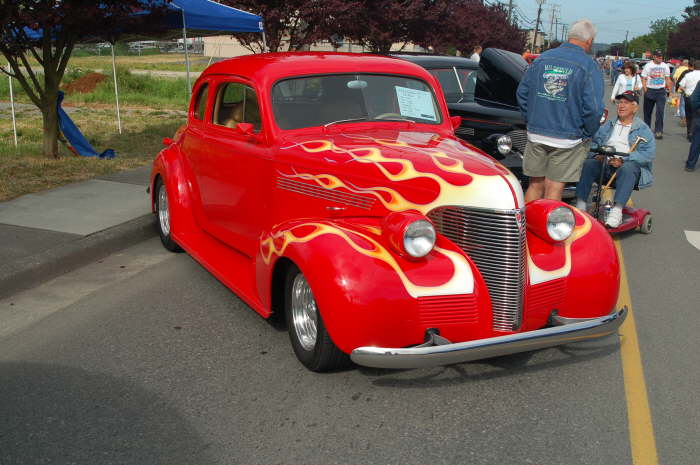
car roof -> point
(270, 67)
(437, 61)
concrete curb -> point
(31, 271)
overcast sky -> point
(612, 17)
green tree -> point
(661, 28)
(38, 37)
(692, 11)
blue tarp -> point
(75, 137)
(206, 15)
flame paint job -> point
(367, 292)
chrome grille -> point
(465, 131)
(495, 240)
(519, 138)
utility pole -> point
(552, 13)
(556, 29)
(537, 25)
(510, 11)
(627, 33)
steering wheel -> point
(389, 115)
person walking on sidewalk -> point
(676, 78)
(476, 55)
(561, 100)
(694, 151)
(628, 80)
(656, 80)
(686, 87)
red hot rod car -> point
(331, 189)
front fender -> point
(369, 295)
(579, 277)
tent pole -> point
(187, 55)
(12, 106)
(264, 41)
(116, 90)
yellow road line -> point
(641, 428)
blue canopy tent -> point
(203, 17)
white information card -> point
(415, 103)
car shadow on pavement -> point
(493, 368)
(62, 415)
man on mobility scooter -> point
(629, 135)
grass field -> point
(152, 108)
(25, 169)
(134, 89)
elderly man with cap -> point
(656, 80)
(624, 132)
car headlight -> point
(419, 238)
(560, 223)
(504, 145)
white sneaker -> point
(581, 205)
(614, 217)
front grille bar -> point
(495, 240)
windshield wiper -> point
(394, 119)
(351, 120)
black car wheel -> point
(310, 340)
(163, 212)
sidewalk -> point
(49, 233)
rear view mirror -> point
(167, 141)
(456, 121)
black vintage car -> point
(483, 94)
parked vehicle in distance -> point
(329, 189)
(483, 94)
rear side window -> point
(201, 105)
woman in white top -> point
(628, 80)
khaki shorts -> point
(562, 165)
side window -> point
(201, 105)
(236, 103)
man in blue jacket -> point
(626, 132)
(694, 152)
(561, 100)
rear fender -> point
(168, 166)
(367, 293)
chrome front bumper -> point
(450, 353)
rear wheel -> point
(310, 340)
(163, 212)
(645, 227)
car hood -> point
(499, 76)
(401, 170)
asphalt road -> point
(157, 362)
(146, 358)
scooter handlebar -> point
(609, 150)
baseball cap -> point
(658, 53)
(629, 96)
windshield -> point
(337, 99)
(457, 83)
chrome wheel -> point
(163, 213)
(304, 313)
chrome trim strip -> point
(447, 354)
(353, 200)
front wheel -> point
(163, 212)
(310, 340)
